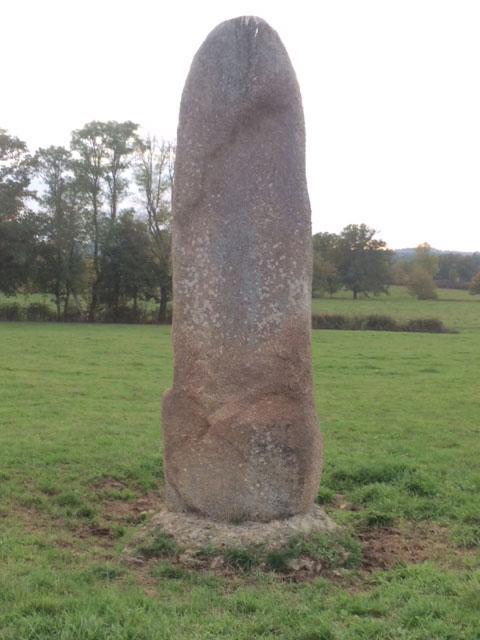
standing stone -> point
(241, 436)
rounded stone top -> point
(247, 22)
(241, 59)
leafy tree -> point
(400, 271)
(325, 276)
(61, 259)
(154, 178)
(362, 261)
(421, 285)
(458, 268)
(88, 145)
(120, 140)
(448, 267)
(102, 153)
(425, 259)
(325, 244)
(15, 175)
(468, 266)
(474, 287)
(18, 252)
(18, 226)
(129, 269)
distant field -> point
(397, 303)
(80, 468)
(463, 315)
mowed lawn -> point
(81, 468)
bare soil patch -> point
(385, 547)
(129, 510)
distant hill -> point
(409, 253)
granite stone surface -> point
(241, 436)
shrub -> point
(124, 315)
(39, 312)
(128, 315)
(12, 311)
(73, 315)
(421, 285)
(445, 283)
(379, 323)
(425, 325)
(330, 321)
(474, 287)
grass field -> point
(80, 468)
(463, 315)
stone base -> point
(194, 532)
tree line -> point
(88, 225)
(357, 261)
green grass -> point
(462, 316)
(80, 468)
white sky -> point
(391, 91)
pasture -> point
(81, 468)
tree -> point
(18, 226)
(120, 140)
(154, 177)
(102, 151)
(88, 166)
(458, 268)
(325, 277)
(325, 244)
(61, 259)
(18, 251)
(425, 259)
(474, 287)
(15, 174)
(400, 270)
(468, 266)
(129, 269)
(363, 263)
(421, 285)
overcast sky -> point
(391, 92)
